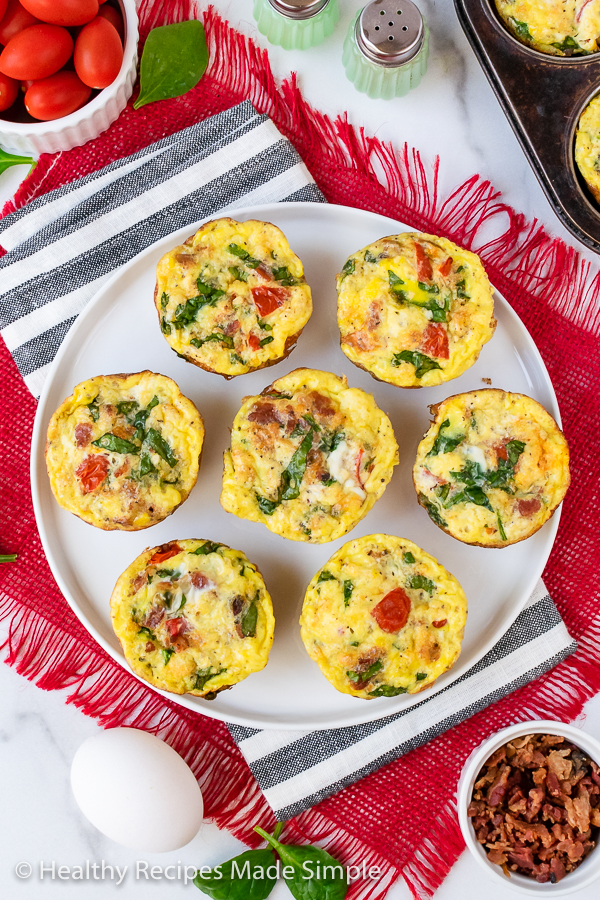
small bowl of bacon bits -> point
(529, 807)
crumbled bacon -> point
(534, 807)
(140, 580)
(264, 413)
(83, 433)
(322, 405)
(529, 507)
(154, 617)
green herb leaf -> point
(115, 444)
(174, 60)
(420, 583)
(202, 676)
(460, 290)
(266, 327)
(522, 29)
(432, 511)
(316, 874)
(358, 677)
(267, 340)
(139, 422)
(513, 451)
(9, 159)
(387, 690)
(126, 407)
(249, 621)
(146, 465)
(147, 632)
(348, 588)
(569, 47)
(442, 491)
(348, 267)
(369, 257)
(164, 326)
(242, 878)
(205, 548)
(164, 300)
(187, 313)
(408, 558)
(94, 411)
(422, 363)
(284, 276)
(243, 254)
(275, 395)
(500, 526)
(267, 506)
(238, 273)
(156, 442)
(326, 576)
(8, 557)
(330, 442)
(472, 495)
(421, 676)
(236, 359)
(445, 443)
(292, 476)
(167, 653)
(216, 336)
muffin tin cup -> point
(543, 97)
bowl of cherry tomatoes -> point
(67, 69)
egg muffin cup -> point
(414, 310)
(123, 451)
(587, 147)
(309, 457)
(193, 617)
(383, 618)
(492, 468)
(233, 297)
(554, 27)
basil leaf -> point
(348, 588)
(164, 300)
(420, 583)
(156, 442)
(167, 653)
(125, 407)
(147, 632)
(442, 491)
(292, 476)
(408, 558)
(242, 878)
(348, 267)
(472, 494)
(146, 465)
(94, 411)
(316, 874)
(429, 288)
(387, 690)
(569, 47)
(445, 443)
(364, 676)
(249, 621)
(522, 29)
(187, 313)
(267, 506)
(164, 326)
(203, 675)
(236, 359)
(330, 442)
(8, 557)
(460, 290)
(369, 257)
(174, 60)
(513, 451)
(205, 548)
(9, 159)
(422, 363)
(432, 511)
(139, 422)
(421, 676)
(238, 273)
(326, 576)
(284, 276)
(222, 338)
(267, 340)
(115, 444)
(500, 526)
(243, 254)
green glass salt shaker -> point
(386, 49)
(296, 24)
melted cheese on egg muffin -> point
(193, 617)
(383, 618)
(587, 146)
(123, 451)
(233, 298)
(492, 468)
(558, 27)
(309, 457)
(414, 310)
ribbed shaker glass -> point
(386, 49)
(296, 24)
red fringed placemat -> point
(401, 818)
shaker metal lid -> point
(298, 9)
(390, 32)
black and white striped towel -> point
(62, 248)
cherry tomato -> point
(440, 623)
(268, 299)
(98, 53)
(435, 341)
(163, 553)
(63, 12)
(114, 17)
(36, 52)
(3, 5)
(391, 613)
(445, 267)
(92, 472)
(254, 342)
(56, 96)
(424, 270)
(9, 89)
(14, 20)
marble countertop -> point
(454, 113)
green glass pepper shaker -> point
(386, 49)
(296, 24)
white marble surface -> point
(453, 113)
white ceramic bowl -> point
(583, 875)
(86, 123)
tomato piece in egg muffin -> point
(492, 468)
(193, 617)
(233, 298)
(123, 451)
(383, 618)
(414, 310)
(309, 457)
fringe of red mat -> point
(402, 818)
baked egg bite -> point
(383, 618)
(123, 451)
(492, 468)
(558, 27)
(193, 617)
(414, 310)
(587, 146)
(233, 298)
(309, 457)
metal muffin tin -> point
(543, 98)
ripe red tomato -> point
(98, 53)
(63, 12)
(36, 52)
(435, 340)
(14, 20)
(3, 5)
(268, 299)
(9, 89)
(56, 96)
(391, 613)
(114, 17)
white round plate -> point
(118, 332)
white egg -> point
(137, 790)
